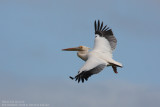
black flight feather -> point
(105, 32)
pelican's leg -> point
(114, 69)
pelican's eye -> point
(81, 47)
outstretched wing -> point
(104, 38)
(92, 66)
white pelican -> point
(101, 55)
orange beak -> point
(72, 49)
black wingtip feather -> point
(81, 77)
(104, 28)
(82, 80)
(71, 77)
(99, 27)
(95, 25)
(109, 32)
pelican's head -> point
(80, 48)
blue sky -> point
(34, 69)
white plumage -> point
(100, 56)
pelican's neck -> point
(83, 55)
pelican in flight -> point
(101, 55)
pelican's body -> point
(100, 56)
